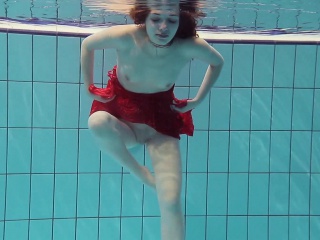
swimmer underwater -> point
(138, 105)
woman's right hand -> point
(101, 99)
(101, 94)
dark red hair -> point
(189, 13)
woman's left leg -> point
(165, 154)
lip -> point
(162, 36)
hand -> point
(101, 99)
(101, 94)
(183, 106)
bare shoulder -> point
(198, 48)
(118, 37)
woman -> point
(138, 105)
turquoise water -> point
(251, 171)
(225, 15)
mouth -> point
(162, 36)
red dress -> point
(153, 109)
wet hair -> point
(189, 13)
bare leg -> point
(114, 138)
(165, 155)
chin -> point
(163, 41)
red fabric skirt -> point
(153, 109)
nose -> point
(163, 26)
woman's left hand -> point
(183, 106)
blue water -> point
(227, 15)
(251, 171)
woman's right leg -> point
(114, 138)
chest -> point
(142, 72)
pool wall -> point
(251, 171)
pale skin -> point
(145, 68)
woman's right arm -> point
(114, 37)
(87, 61)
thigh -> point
(166, 160)
(142, 132)
(104, 125)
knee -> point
(100, 124)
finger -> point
(174, 108)
(110, 99)
(105, 100)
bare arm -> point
(203, 51)
(113, 37)
(198, 48)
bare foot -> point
(147, 178)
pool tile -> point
(44, 47)
(20, 57)
(65, 196)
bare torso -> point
(144, 68)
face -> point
(162, 22)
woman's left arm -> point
(198, 48)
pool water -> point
(250, 172)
